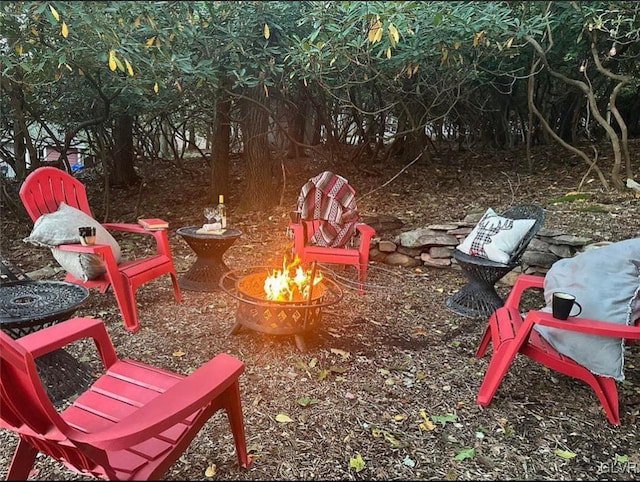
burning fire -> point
(291, 282)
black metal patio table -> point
(28, 305)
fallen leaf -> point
(211, 471)
(306, 401)
(357, 463)
(565, 454)
(179, 353)
(622, 459)
(426, 423)
(389, 437)
(468, 453)
(443, 419)
(342, 353)
(282, 418)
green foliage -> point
(592, 208)
(421, 63)
(571, 197)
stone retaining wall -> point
(433, 246)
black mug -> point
(562, 304)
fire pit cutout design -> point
(276, 317)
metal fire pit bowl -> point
(274, 317)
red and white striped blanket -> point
(330, 198)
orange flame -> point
(291, 282)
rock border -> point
(433, 246)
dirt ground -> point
(386, 388)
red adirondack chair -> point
(132, 423)
(323, 200)
(42, 192)
(510, 334)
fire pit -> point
(294, 316)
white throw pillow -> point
(61, 227)
(606, 283)
(495, 237)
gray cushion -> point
(606, 282)
(61, 227)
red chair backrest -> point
(26, 409)
(45, 188)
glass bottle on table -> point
(222, 211)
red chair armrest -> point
(522, 283)
(365, 230)
(585, 325)
(160, 235)
(101, 249)
(184, 398)
(298, 236)
(127, 227)
(57, 336)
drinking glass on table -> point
(211, 213)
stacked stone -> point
(433, 246)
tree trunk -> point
(260, 190)
(297, 125)
(123, 173)
(415, 141)
(220, 148)
(21, 139)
